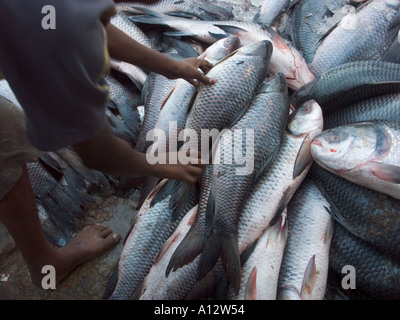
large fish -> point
(266, 118)
(285, 58)
(153, 226)
(215, 107)
(383, 107)
(362, 267)
(260, 272)
(366, 153)
(350, 83)
(362, 35)
(304, 269)
(204, 10)
(307, 19)
(275, 188)
(176, 106)
(271, 9)
(369, 215)
(159, 286)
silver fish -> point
(274, 189)
(266, 118)
(362, 35)
(271, 9)
(260, 272)
(159, 286)
(365, 153)
(304, 269)
(153, 226)
(285, 58)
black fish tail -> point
(190, 247)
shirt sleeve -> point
(57, 74)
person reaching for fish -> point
(62, 91)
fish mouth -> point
(316, 142)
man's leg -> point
(18, 209)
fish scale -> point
(363, 35)
(310, 233)
(237, 79)
(153, 226)
(367, 214)
(266, 117)
(275, 187)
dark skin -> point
(104, 152)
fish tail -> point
(190, 247)
(111, 284)
(226, 247)
(179, 192)
(203, 288)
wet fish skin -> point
(350, 83)
(367, 214)
(159, 286)
(304, 270)
(306, 19)
(382, 107)
(362, 35)
(376, 274)
(204, 10)
(153, 226)
(365, 153)
(267, 117)
(123, 23)
(271, 9)
(285, 58)
(275, 188)
(259, 278)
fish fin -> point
(210, 210)
(190, 247)
(179, 192)
(215, 12)
(287, 195)
(203, 288)
(135, 81)
(137, 293)
(167, 97)
(233, 30)
(246, 253)
(309, 279)
(251, 286)
(386, 172)
(111, 283)
(210, 255)
(184, 49)
(304, 157)
(179, 34)
(218, 36)
(183, 14)
(329, 230)
(231, 260)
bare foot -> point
(91, 242)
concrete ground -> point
(88, 281)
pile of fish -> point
(313, 88)
(318, 85)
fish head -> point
(262, 48)
(344, 147)
(221, 49)
(276, 83)
(306, 119)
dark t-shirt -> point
(57, 74)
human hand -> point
(188, 168)
(189, 69)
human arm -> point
(107, 153)
(122, 47)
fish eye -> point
(333, 137)
(307, 109)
